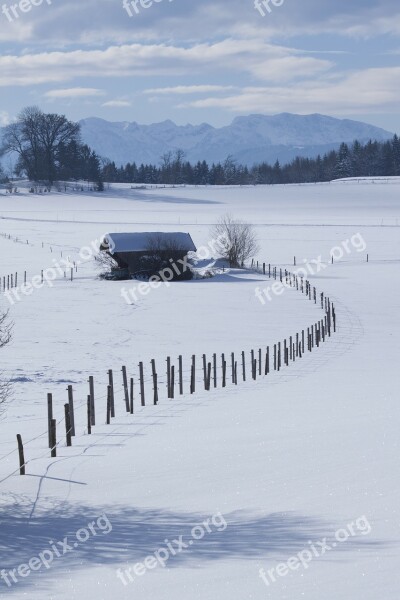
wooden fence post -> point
(155, 381)
(209, 377)
(142, 397)
(68, 426)
(49, 415)
(193, 375)
(169, 376)
(194, 372)
(215, 369)
(180, 375)
(126, 391)
(131, 396)
(205, 371)
(21, 455)
(92, 404)
(111, 384)
(267, 361)
(108, 421)
(71, 408)
(53, 430)
(89, 416)
(173, 381)
(155, 390)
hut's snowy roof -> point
(139, 242)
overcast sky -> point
(202, 61)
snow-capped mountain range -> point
(249, 139)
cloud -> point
(74, 93)
(362, 91)
(224, 56)
(255, 57)
(116, 103)
(189, 89)
(99, 23)
(5, 118)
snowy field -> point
(276, 465)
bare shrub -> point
(105, 262)
(240, 243)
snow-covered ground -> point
(287, 460)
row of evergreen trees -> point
(76, 161)
(372, 159)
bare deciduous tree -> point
(5, 338)
(240, 240)
(37, 137)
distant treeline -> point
(372, 159)
(49, 149)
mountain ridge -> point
(249, 139)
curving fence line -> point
(205, 372)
